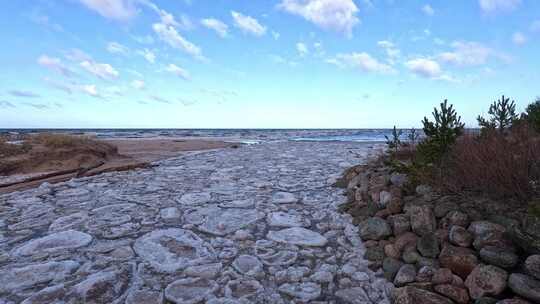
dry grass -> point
(502, 166)
(56, 140)
(8, 149)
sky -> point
(262, 63)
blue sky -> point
(261, 64)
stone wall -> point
(443, 248)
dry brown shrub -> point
(500, 165)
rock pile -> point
(443, 249)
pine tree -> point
(502, 115)
(441, 133)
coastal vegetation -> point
(454, 216)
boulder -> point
(428, 245)
(486, 280)
(405, 240)
(423, 189)
(374, 229)
(497, 256)
(459, 260)
(398, 179)
(442, 276)
(425, 274)
(399, 223)
(458, 294)
(410, 255)
(422, 220)
(413, 295)
(391, 251)
(406, 274)
(456, 218)
(460, 236)
(384, 198)
(441, 209)
(391, 267)
(525, 286)
(478, 228)
(532, 265)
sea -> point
(248, 136)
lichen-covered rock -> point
(497, 256)
(374, 228)
(399, 223)
(525, 286)
(390, 267)
(458, 294)
(460, 236)
(459, 260)
(422, 220)
(532, 265)
(406, 274)
(428, 245)
(486, 280)
(413, 295)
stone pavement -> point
(256, 224)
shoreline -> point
(132, 154)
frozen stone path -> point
(256, 224)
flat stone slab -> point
(55, 242)
(298, 236)
(17, 278)
(170, 250)
(283, 198)
(194, 199)
(284, 219)
(229, 220)
(190, 291)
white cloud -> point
(77, 55)
(392, 52)
(169, 35)
(117, 48)
(495, 6)
(54, 64)
(302, 49)
(428, 10)
(535, 26)
(424, 67)
(138, 84)
(90, 89)
(276, 35)
(336, 15)
(102, 70)
(248, 24)
(467, 54)
(363, 61)
(148, 55)
(121, 10)
(178, 71)
(216, 25)
(519, 38)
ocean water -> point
(240, 135)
